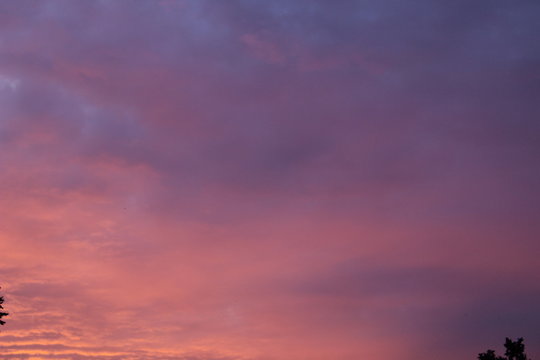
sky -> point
(269, 179)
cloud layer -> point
(270, 180)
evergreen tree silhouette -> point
(515, 350)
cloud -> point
(267, 180)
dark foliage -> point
(515, 350)
(2, 314)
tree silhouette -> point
(2, 314)
(515, 350)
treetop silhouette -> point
(2, 314)
(515, 350)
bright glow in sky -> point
(269, 179)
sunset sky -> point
(269, 179)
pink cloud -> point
(264, 50)
(287, 180)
